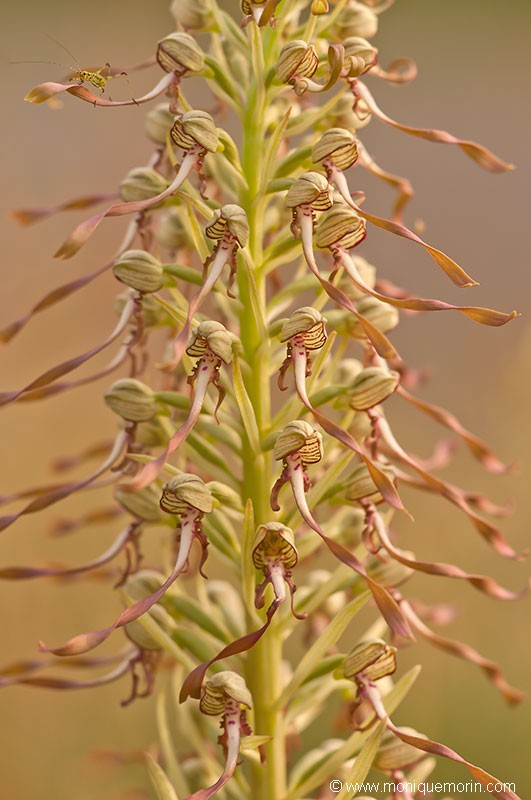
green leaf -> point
(159, 780)
(362, 764)
(246, 563)
(220, 77)
(256, 304)
(196, 233)
(401, 688)
(295, 159)
(273, 143)
(180, 607)
(184, 273)
(168, 746)
(246, 407)
(321, 646)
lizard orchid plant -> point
(236, 273)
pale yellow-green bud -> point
(231, 218)
(185, 491)
(195, 128)
(360, 54)
(219, 690)
(141, 183)
(347, 370)
(193, 15)
(143, 504)
(132, 400)
(179, 52)
(381, 315)
(152, 433)
(355, 20)
(370, 660)
(372, 386)
(274, 541)
(299, 437)
(362, 487)
(226, 495)
(395, 754)
(171, 231)
(345, 115)
(337, 144)
(297, 59)
(308, 324)
(139, 270)
(320, 7)
(213, 336)
(311, 188)
(158, 122)
(340, 227)
(138, 587)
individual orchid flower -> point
(330, 151)
(261, 11)
(225, 694)
(308, 194)
(195, 133)
(335, 232)
(274, 552)
(298, 62)
(187, 496)
(229, 228)
(372, 660)
(304, 332)
(212, 345)
(297, 446)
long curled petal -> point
(402, 185)
(71, 364)
(65, 490)
(44, 91)
(475, 151)
(45, 682)
(84, 231)
(485, 316)
(456, 273)
(27, 216)
(232, 728)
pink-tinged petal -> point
(456, 496)
(436, 749)
(477, 152)
(73, 363)
(84, 231)
(194, 680)
(43, 682)
(387, 605)
(382, 481)
(232, 726)
(53, 297)
(48, 498)
(481, 582)
(85, 642)
(461, 650)
(27, 216)
(400, 71)
(378, 339)
(45, 91)
(402, 185)
(21, 573)
(477, 447)
(485, 316)
(456, 273)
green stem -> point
(268, 782)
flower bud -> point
(395, 754)
(299, 437)
(137, 587)
(171, 232)
(320, 7)
(143, 504)
(371, 387)
(151, 433)
(141, 183)
(231, 218)
(336, 144)
(381, 315)
(339, 227)
(370, 660)
(179, 52)
(355, 20)
(224, 686)
(183, 491)
(132, 400)
(311, 188)
(213, 336)
(274, 541)
(158, 122)
(361, 54)
(153, 314)
(346, 114)
(139, 270)
(193, 15)
(347, 370)
(296, 60)
(362, 487)
(195, 128)
(308, 324)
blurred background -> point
(473, 61)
